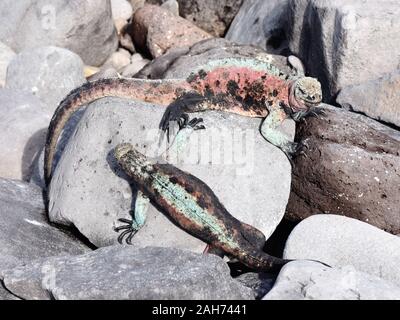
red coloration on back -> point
(257, 84)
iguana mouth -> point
(311, 104)
(300, 104)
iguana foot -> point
(183, 121)
(316, 112)
(130, 228)
(295, 149)
(185, 103)
(196, 124)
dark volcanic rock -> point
(351, 167)
(126, 272)
(210, 15)
(261, 283)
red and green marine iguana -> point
(244, 86)
(191, 204)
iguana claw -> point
(129, 229)
(316, 112)
(195, 124)
(295, 149)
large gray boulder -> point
(340, 241)
(252, 180)
(127, 273)
(344, 43)
(378, 98)
(23, 123)
(86, 28)
(306, 280)
(50, 73)
(261, 23)
(25, 234)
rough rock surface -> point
(157, 30)
(351, 167)
(376, 98)
(86, 191)
(306, 280)
(23, 122)
(86, 29)
(6, 55)
(340, 241)
(6, 295)
(261, 23)
(261, 283)
(125, 272)
(50, 73)
(209, 15)
(337, 38)
(25, 233)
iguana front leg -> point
(270, 131)
(139, 214)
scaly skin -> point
(191, 204)
(240, 85)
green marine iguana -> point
(192, 205)
(244, 86)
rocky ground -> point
(339, 203)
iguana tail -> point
(154, 91)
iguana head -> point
(305, 93)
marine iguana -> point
(245, 86)
(192, 205)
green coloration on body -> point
(191, 204)
(250, 63)
(179, 198)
